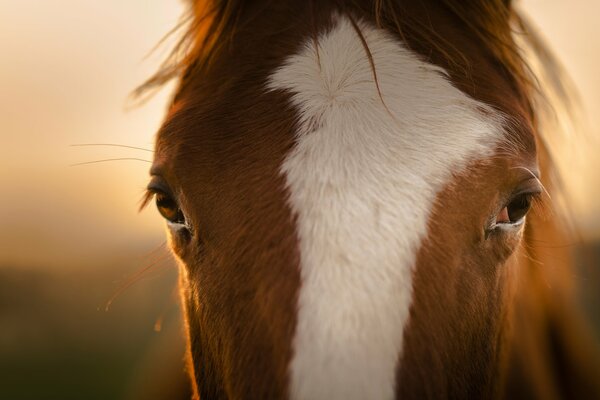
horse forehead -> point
(373, 147)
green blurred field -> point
(58, 342)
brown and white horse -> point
(347, 187)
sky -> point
(66, 71)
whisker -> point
(152, 256)
(132, 279)
(174, 297)
(160, 247)
(110, 144)
(110, 159)
(526, 248)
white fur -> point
(362, 185)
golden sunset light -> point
(74, 165)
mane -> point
(208, 25)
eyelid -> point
(531, 187)
(157, 185)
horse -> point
(359, 197)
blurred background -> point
(71, 238)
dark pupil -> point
(169, 209)
(518, 207)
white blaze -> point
(362, 185)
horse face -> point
(345, 214)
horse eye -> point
(515, 210)
(168, 208)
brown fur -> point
(487, 320)
(461, 295)
(240, 277)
